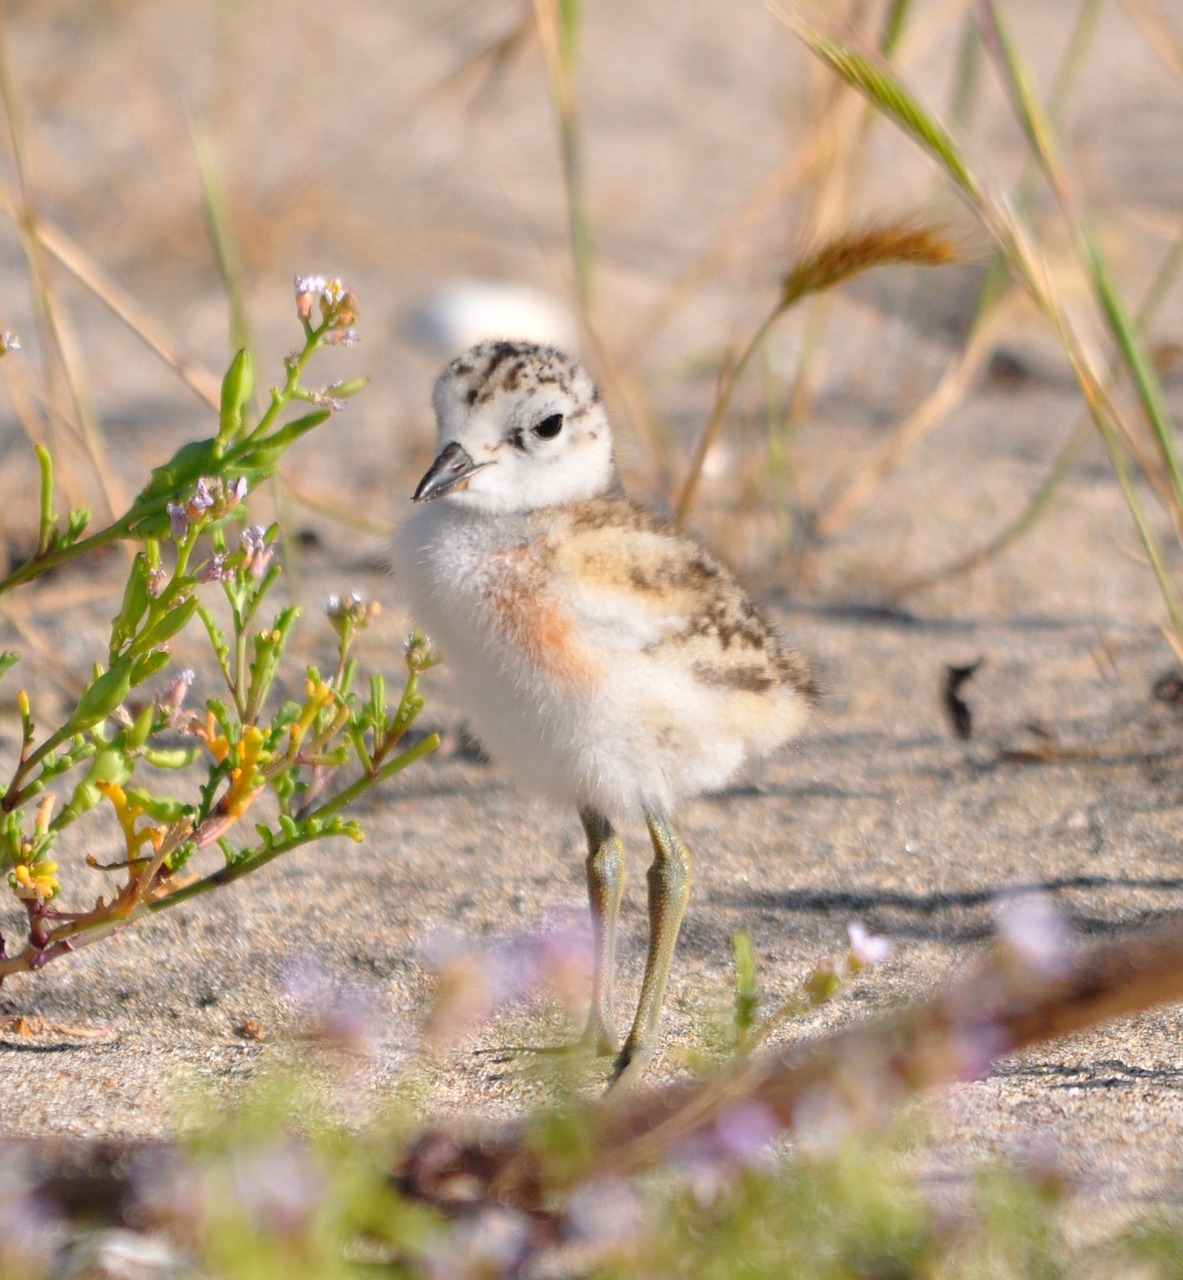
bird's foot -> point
(630, 1065)
(599, 1038)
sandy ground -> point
(363, 146)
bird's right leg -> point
(605, 889)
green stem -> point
(282, 398)
(228, 874)
(16, 795)
(363, 784)
(122, 528)
(39, 564)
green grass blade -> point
(880, 84)
(967, 77)
(893, 26)
(221, 233)
(1125, 332)
(1035, 122)
(1149, 540)
(1129, 339)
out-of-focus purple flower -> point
(9, 341)
(239, 489)
(157, 576)
(474, 984)
(867, 948)
(338, 1015)
(172, 697)
(713, 1157)
(113, 1254)
(822, 1119)
(604, 1212)
(257, 553)
(492, 1242)
(975, 1043)
(30, 1235)
(744, 1132)
(279, 1185)
(1037, 932)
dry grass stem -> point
(1160, 35)
(203, 382)
(833, 262)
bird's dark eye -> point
(550, 427)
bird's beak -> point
(451, 470)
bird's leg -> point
(669, 890)
(605, 888)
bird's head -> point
(521, 426)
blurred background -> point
(168, 166)
(187, 159)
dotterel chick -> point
(605, 660)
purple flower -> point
(172, 698)
(29, 1234)
(279, 1185)
(491, 1242)
(822, 1119)
(214, 569)
(866, 948)
(256, 553)
(1036, 930)
(605, 1211)
(203, 497)
(338, 1015)
(178, 518)
(476, 983)
(744, 1131)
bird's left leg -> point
(669, 891)
(605, 888)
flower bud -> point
(137, 735)
(103, 696)
(147, 666)
(175, 620)
(343, 390)
(237, 388)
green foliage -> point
(188, 520)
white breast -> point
(454, 565)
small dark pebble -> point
(956, 708)
(1168, 688)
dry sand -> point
(341, 151)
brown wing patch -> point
(613, 513)
(751, 677)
